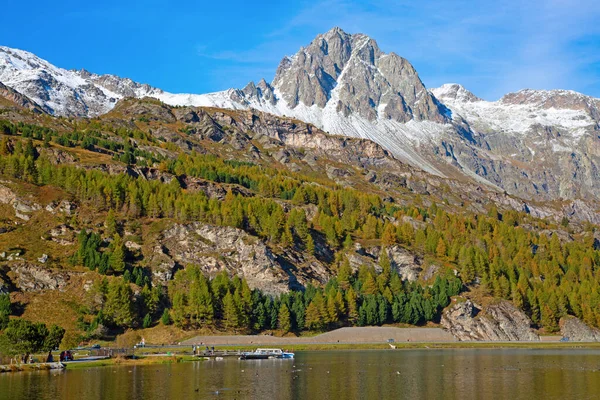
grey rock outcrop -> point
(32, 278)
(407, 264)
(23, 208)
(217, 248)
(62, 234)
(500, 321)
(64, 206)
(575, 330)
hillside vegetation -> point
(153, 215)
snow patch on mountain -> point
(506, 115)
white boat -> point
(263, 354)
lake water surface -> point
(412, 374)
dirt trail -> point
(342, 335)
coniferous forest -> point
(500, 253)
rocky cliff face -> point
(406, 263)
(20, 100)
(218, 248)
(498, 322)
(577, 331)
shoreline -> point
(173, 356)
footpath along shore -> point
(359, 335)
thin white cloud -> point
(492, 46)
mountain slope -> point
(533, 142)
(148, 199)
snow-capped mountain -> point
(536, 144)
(518, 112)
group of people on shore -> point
(197, 349)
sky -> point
(490, 47)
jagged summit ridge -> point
(532, 143)
(351, 74)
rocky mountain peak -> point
(349, 74)
(533, 143)
(454, 92)
(262, 91)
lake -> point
(413, 374)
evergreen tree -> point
(5, 309)
(284, 322)
(345, 274)
(117, 255)
(119, 305)
(166, 317)
(351, 300)
(230, 313)
(111, 223)
(147, 321)
(369, 285)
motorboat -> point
(264, 354)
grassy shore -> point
(184, 351)
(169, 355)
(131, 361)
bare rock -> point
(57, 156)
(131, 245)
(31, 278)
(501, 321)
(406, 263)
(61, 234)
(575, 330)
(162, 265)
(64, 206)
(217, 248)
(22, 207)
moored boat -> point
(263, 354)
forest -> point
(505, 254)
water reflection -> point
(414, 374)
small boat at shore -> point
(264, 354)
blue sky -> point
(491, 47)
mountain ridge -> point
(344, 84)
